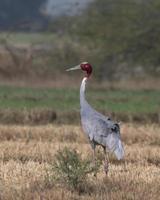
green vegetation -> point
(21, 38)
(119, 32)
(71, 170)
(68, 99)
(120, 38)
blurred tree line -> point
(20, 14)
(118, 37)
(119, 34)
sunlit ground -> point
(27, 154)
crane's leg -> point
(93, 148)
(93, 157)
(106, 161)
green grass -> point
(28, 38)
(68, 99)
(127, 101)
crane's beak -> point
(74, 68)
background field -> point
(61, 105)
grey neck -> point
(82, 92)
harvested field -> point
(27, 154)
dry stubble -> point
(27, 153)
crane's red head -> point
(85, 66)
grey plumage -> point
(100, 130)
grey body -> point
(100, 130)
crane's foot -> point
(106, 166)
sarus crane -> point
(100, 129)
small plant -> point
(70, 168)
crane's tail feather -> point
(114, 144)
(119, 151)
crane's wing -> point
(107, 133)
(104, 127)
(102, 130)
